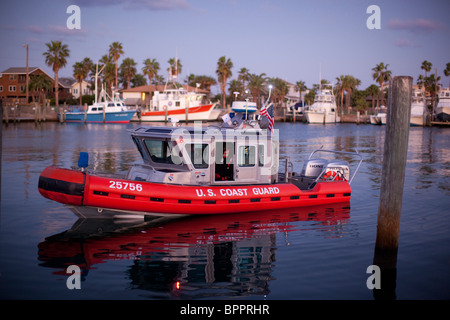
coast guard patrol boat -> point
(229, 168)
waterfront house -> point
(13, 85)
(85, 89)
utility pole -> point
(26, 76)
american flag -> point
(268, 113)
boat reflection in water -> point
(194, 256)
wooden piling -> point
(85, 112)
(392, 180)
(1, 147)
(186, 112)
(36, 112)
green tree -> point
(128, 70)
(235, 86)
(244, 77)
(150, 69)
(431, 84)
(309, 97)
(300, 87)
(81, 71)
(279, 90)
(138, 80)
(373, 92)
(223, 72)
(205, 81)
(381, 74)
(340, 91)
(175, 67)
(115, 51)
(39, 85)
(447, 71)
(426, 66)
(56, 57)
(108, 73)
(256, 84)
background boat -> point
(419, 111)
(323, 110)
(443, 106)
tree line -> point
(246, 83)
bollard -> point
(392, 180)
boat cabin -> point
(205, 155)
(175, 99)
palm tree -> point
(55, 57)
(175, 67)
(128, 70)
(108, 71)
(150, 69)
(426, 66)
(39, 84)
(81, 71)
(79, 74)
(256, 84)
(205, 81)
(223, 72)
(431, 84)
(279, 91)
(235, 86)
(373, 92)
(115, 51)
(244, 76)
(340, 90)
(447, 71)
(381, 74)
(300, 87)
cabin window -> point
(94, 109)
(139, 147)
(261, 155)
(224, 167)
(246, 156)
(161, 151)
(177, 103)
(198, 154)
(110, 104)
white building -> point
(85, 89)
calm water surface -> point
(309, 253)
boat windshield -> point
(198, 154)
(160, 151)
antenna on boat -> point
(268, 98)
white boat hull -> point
(320, 117)
(201, 113)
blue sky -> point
(292, 40)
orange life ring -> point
(331, 176)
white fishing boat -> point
(419, 111)
(380, 117)
(443, 106)
(323, 110)
(176, 102)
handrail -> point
(356, 153)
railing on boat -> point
(356, 153)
